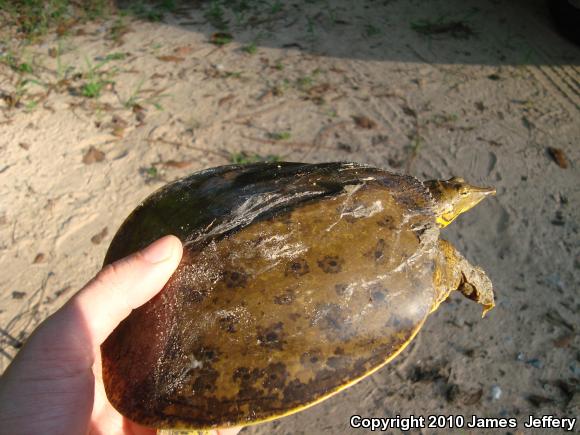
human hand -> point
(54, 384)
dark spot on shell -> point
(400, 323)
(311, 358)
(206, 354)
(286, 298)
(386, 222)
(337, 362)
(245, 376)
(228, 323)
(296, 391)
(272, 337)
(249, 393)
(331, 264)
(298, 267)
(378, 296)
(379, 251)
(275, 376)
(325, 376)
(331, 319)
(205, 380)
(235, 278)
(360, 364)
(194, 296)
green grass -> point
(34, 18)
(250, 48)
(92, 89)
(115, 56)
(371, 30)
(215, 14)
(241, 158)
(304, 83)
(137, 98)
(96, 80)
(280, 135)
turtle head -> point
(454, 197)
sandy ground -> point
(485, 105)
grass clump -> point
(35, 17)
(280, 135)
(242, 158)
(457, 29)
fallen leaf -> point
(176, 164)
(171, 58)
(39, 258)
(221, 38)
(564, 341)
(364, 122)
(183, 51)
(93, 155)
(225, 99)
(559, 157)
(98, 238)
(320, 89)
(63, 28)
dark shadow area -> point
(491, 32)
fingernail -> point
(159, 250)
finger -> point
(125, 285)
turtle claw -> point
(476, 285)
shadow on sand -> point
(479, 32)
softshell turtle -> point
(297, 281)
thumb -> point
(123, 286)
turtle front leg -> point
(454, 272)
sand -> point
(486, 100)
